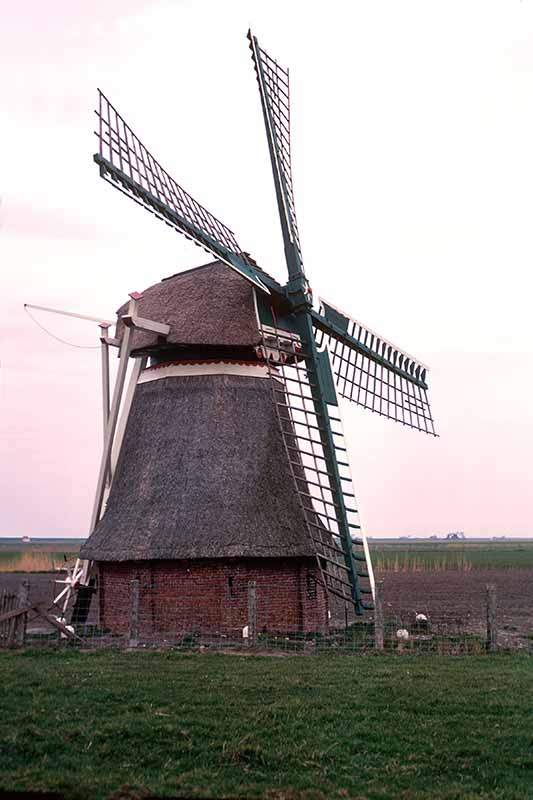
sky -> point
(412, 131)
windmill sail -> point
(126, 163)
(372, 372)
(273, 83)
(312, 430)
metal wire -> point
(58, 338)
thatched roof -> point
(210, 305)
(202, 473)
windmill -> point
(230, 319)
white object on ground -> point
(63, 621)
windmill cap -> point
(209, 306)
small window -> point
(231, 586)
(311, 585)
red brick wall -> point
(211, 596)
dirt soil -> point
(456, 598)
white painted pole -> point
(104, 350)
(99, 320)
(125, 349)
(138, 365)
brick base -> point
(211, 596)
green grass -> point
(226, 726)
(426, 555)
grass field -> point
(430, 555)
(421, 555)
(36, 556)
(371, 727)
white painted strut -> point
(124, 354)
(114, 435)
(99, 320)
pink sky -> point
(413, 167)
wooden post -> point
(252, 613)
(8, 602)
(134, 613)
(21, 622)
(17, 630)
(492, 626)
(379, 643)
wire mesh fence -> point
(282, 613)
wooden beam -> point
(492, 625)
(15, 612)
(37, 607)
(103, 322)
(132, 321)
(59, 625)
(19, 625)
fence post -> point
(134, 613)
(492, 627)
(17, 631)
(23, 598)
(378, 617)
(7, 601)
(252, 613)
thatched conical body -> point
(202, 474)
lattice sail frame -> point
(301, 425)
(274, 91)
(127, 165)
(374, 373)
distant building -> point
(456, 535)
(26, 539)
